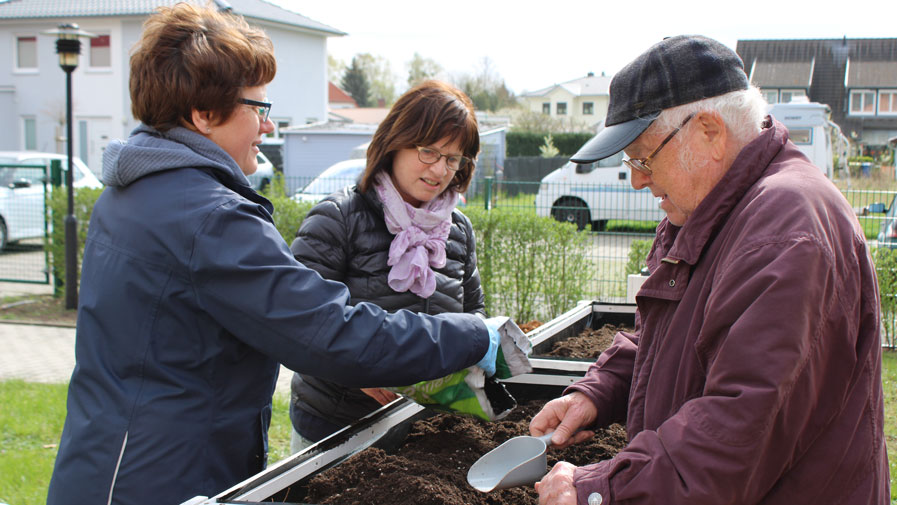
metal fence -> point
(621, 221)
(628, 229)
(23, 224)
(619, 242)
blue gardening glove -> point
(487, 363)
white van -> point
(595, 193)
(810, 128)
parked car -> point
(22, 190)
(335, 177)
(265, 173)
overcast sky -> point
(534, 44)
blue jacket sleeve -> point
(247, 279)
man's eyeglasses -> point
(454, 162)
(641, 164)
(264, 108)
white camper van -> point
(810, 128)
(595, 193)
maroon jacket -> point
(754, 374)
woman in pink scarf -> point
(396, 239)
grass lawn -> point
(31, 418)
(889, 383)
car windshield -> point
(32, 175)
(334, 178)
(37, 174)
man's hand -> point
(565, 416)
(557, 488)
(383, 396)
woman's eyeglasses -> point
(641, 164)
(264, 108)
(454, 162)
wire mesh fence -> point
(23, 223)
(616, 224)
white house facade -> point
(580, 102)
(32, 85)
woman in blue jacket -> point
(190, 298)
(396, 239)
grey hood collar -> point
(149, 151)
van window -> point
(613, 161)
(801, 136)
(584, 168)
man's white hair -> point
(742, 111)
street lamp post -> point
(68, 46)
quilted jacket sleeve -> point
(320, 240)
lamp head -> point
(68, 44)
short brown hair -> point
(195, 58)
(425, 114)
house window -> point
(862, 101)
(771, 95)
(789, 94)
(588, 108)
(887, 101)
(29, 130)
(100, 53)
(546, 108)
(26, 53)
(562, 108)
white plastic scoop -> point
(518, 462)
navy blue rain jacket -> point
(189, 299)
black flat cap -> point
(675, 71)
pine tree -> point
(356, 84)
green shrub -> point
(288, 213)
(885, 260)
(638, 253)
(57, 207)
(530, 267)
(528, 143)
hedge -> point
(528, 143)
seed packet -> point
(469, 391)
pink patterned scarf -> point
(420, 236)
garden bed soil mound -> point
(588, 344)
(430, 468)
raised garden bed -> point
(430, 466)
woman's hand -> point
(557, 488)
(383, 396)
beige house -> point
(581, 102)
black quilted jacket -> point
(344, 238)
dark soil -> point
(430, 468)
(588, 344)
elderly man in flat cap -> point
(754, 373)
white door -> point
(99, 132)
